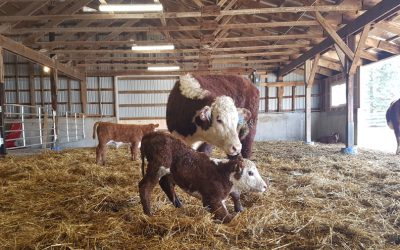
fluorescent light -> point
(163, 68)
(46, 69)
(154, 47)
(88, 9)
(131, 7)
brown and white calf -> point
(208, 109)
(333, 138)
(393, 121)
(119, 133)
(171, 161)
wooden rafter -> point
(63, 17)
(359, 49)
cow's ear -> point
(205, 113)
(244, 114)
(203, 118)
(156, 125)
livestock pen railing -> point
(71, 127)
(35, 126)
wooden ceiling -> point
(209, 35)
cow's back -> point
(181, 109)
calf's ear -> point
(238, 169)
(244, 114)
(156, 125)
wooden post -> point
(307, 72)
(3, 150)
(53, 89)
(32, 95)
(294, 98)
(350, 79)
(280, 99)
(83, 95)
(266, 99)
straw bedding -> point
(318, 198)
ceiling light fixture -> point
(46, 69)
(163, 68)
(131, 7)
(154, 47)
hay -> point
(318, 198)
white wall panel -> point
(23, 83)
(9, 84)
(23, 69)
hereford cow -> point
(108, 132)
(210, 109)
(393, 121)
(333, 138)
(171, 161)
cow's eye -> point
(250, 173)
(219, 120)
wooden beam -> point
(389, 27)
(32, 55)
(310, 80)
(350, 128)
(332, 33)
(32, 94)
(282, 84)
(377, 13)
(360, 48)
(383, 45)
(63, 17)
(54, 88)
(308, 101)
(159, 28)
(239, 71)
(83, 93)
(3, 149)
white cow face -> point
(218, 124)
(247, 178)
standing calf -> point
(124, 133)
(171, 161)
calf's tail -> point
(142, 156)
(94, 129)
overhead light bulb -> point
(46, 69)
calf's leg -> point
(236, 202)
(134, 150)
(218, 208)
(101, 154)
(146, 186)
(168, 186)
(397, 134)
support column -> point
(83, 95)
(350, 82)
(54, 90)
(307, 125)
(3, 150)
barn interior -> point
(66, 64)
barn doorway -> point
(380, 85)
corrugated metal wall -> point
(143, 98)
(100, 96)
(17, 85)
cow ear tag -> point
(205, 113)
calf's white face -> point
(218, 124)
(249, 180)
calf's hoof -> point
(228, 218)
(177, 203)
(239, 209)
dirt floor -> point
(318, 199)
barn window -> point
(338, 95)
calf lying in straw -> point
(171, 161)
(119, 133)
